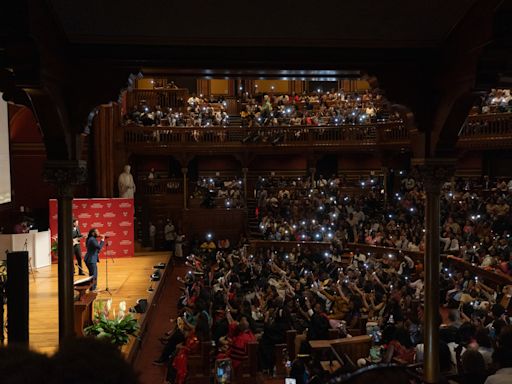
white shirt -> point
(420, 349)
(418, 286)
(170, 233)
(450, 244)
(487, 355)
(502, 376)
(360, 215)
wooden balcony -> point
(490, 131)
(232, 139)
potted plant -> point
(54, 248)
(117, 329)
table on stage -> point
(38, 245)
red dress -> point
(180, 361)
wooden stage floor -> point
(128, 279)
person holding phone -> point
(91, 258)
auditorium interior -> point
(292, 193)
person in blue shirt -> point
(92, 255)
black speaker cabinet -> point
(17, 297)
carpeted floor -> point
(151, 349)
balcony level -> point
(481, 132)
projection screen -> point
(5, 166)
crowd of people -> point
(496, 101)
(200, 112)
(237, 295)
(475, 216)
(211, 191)
(317, 109)
(309, 109)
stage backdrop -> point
(113, 217)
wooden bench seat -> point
(247, 372)
(200, 365)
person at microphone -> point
(92, 255)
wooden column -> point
(385, 175)
(312, 172)
(203, 87)
(65, 174)
(105, 134)
(244, 174)
(184, 171)
(434, 172)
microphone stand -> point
(30, 269)
(107, 289)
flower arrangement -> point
(116, 328)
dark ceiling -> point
(333, 23)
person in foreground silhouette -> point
(78, 361)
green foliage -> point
(116, 330)
(3, 271)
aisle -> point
(151, 349)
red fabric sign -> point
(112, 217)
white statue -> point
(126, 184)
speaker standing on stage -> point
(77, 250)
(92, 255)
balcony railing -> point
(160, 186)
(493, 124)
(370, 134)
(493, 130)
(490, 130)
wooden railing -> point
(484, 130)
(383, 252)
(489, 276)
(166, 98)
(280, 135)
(494, 278)
(160, 186)
(393, 132)
(132, 349)
(492, 124)
(314, 246)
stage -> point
(128, 279)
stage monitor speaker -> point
(141, 306)
(17, 297)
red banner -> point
(112, 217)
